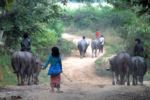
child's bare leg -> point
(52, 87)
(58, 89)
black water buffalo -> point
(139, 69)
(95, 45)
(24, 65)
(121, 67)
(82, 47)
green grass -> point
(147, 76)
(43, 77)
(7, 77)
(102, 63)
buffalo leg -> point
(22, 79)
(101, 48)
(29, 77)
(117, 78)
(84, 53)
(141, 79)
(128, 79)
(113, 78)
(122, 78)
(136, 80)
(18, 78)
(133, 80)
(96, 53)
(35, 79)
(92, 53)
(80, 54)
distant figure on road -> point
(138, 48)
(26, 43)
(97, 34)
(101, 43)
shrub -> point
(65, 46)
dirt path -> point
(81, 70)
(79, 82)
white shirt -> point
(102, 40)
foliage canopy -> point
(32, 16)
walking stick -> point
(67, 77)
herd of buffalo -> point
(83, 45)
(123, 66)
(27, 66)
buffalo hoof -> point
(134, 84)
(118, 82)
(36, 83)
(29, 83)
(19, 84)
(81, 57)
(113, 83)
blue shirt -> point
(52, 60)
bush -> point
(65, 46)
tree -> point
(19, 16)
(144, 5)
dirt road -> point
(79, 82)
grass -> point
(102, 63)
(7, 77)
(147, 76)
(43, 77)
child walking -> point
(55, 61)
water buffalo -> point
(24, 65)
(95, 45)
(121, 67)
(37, 70)
(139, 69)
(82, 47)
